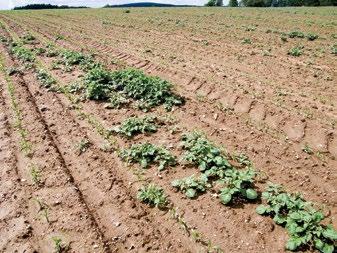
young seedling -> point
(35, 174)
(153, 195)
(307, 149)
(43, 209)
(146, 154)
(59, 246)
(83, 146)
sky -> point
(9, 4)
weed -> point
(243, 160)
(284, 38)
(307, 149)
(334, 49)
(35, 174)
(59, 246)
(152, 195)
(43, 209)
(146, 154)
(13, 70)
(83, 146)
(192, 186)
(296, 51)
(246, 41)
(135, 125)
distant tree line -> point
(45, 6)
(273, 3)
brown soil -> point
(234, 95)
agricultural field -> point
(168, 130)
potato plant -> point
(148, 91)
(136, 125)
(152, 195)
(215, 166)
(192, 186)
(46, 80)
(302, 221)
(146, 154)
(22, 53)
(238, 183)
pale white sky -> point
(8, 4)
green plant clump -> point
(300, 219)
(238, 183)
(70, 58)
(146, 154)
(28, 39)
(147, 90)
(296, 34)
(296, 51)
(24, 54)
(152, 195)
(135, 125)
(47, 81)
(312, 36)
(215, 166)
(150, 91)
(192, 186)
(201, 152)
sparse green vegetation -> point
(296, 51)
(147, 154)
(192, 185)
(83, 146)
(135, 125)
(22, 53)
(46, 80)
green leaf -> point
(328, 248)
(190, 193)
(293, 244)
(261, 209)
(251, 194)
(225, 198)
(319, 244)
(330, 233)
